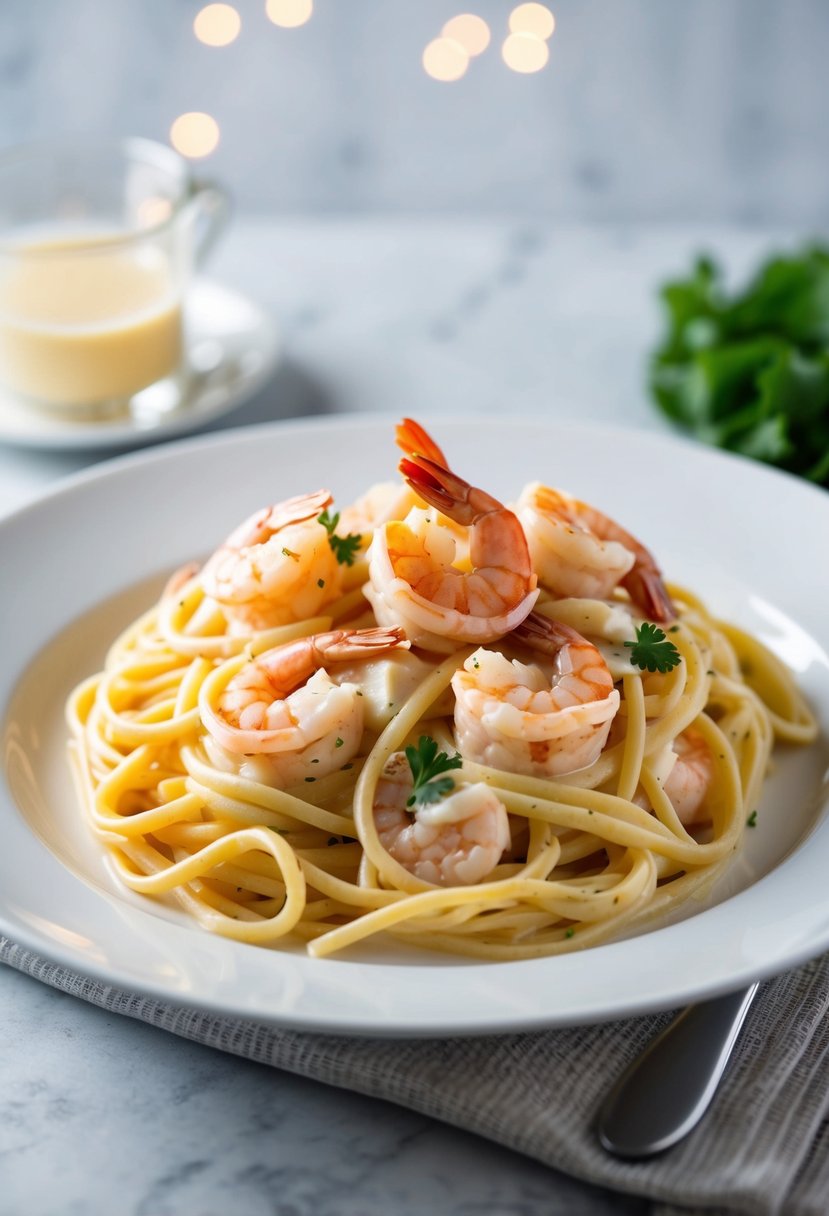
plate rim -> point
(323, 1022)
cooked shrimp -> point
(413, 441)
(381, 502)
(178, 579)
(283, 706)
(456, 842)
(578, 551)
(414, 583)
(527, 719)
(276, 567)
(689, 779)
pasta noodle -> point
(591, 853)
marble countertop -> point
(102, 1114)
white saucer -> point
(232, 349)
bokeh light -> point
(217, 24)
(153, 211)
(533, 19)
(289, 13)
(525, 53)
(470, 31)
(444, 59)
(194, 134)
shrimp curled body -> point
(690, 777)
(283, 707)
(578, 551)
(414, 583)
(525, 719)
(456, 843)
(275, 568)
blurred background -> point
(467, 206)
(646, 110)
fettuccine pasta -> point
(435, 731)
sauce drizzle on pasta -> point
(605, 848)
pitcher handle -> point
(208, 209)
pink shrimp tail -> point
(257, 528)
(288, 666)
(441, 488)
(345, 644)
(648, 592)
(544, 635)
(412, 439)
(297, 510)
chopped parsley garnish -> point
(652, 651)
(320, 582)
(339, 743)
(571, 932)
(344, 548)
(290, 553)
(752, 820)
(746, 367)
(427, 764)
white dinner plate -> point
(90, 556)
(232, 349)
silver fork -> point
(665, 1092)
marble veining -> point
(131, 1120)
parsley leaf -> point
(344, 548)
(748, 370)
(427, 764)
(652, 651)
(433, 791)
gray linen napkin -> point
(761, 1149)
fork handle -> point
(664, 1093)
